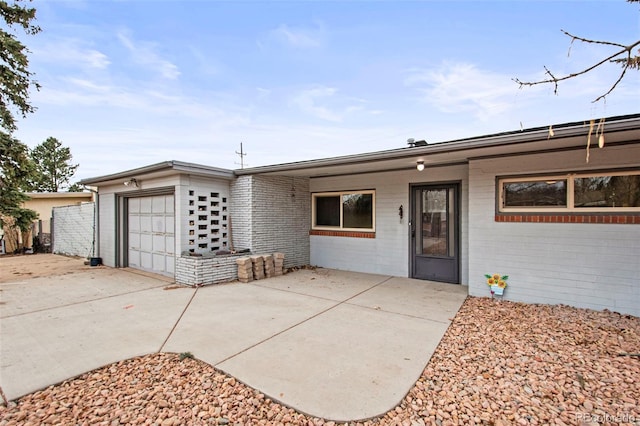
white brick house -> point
(523, 203)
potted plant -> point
(497, 283)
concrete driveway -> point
(332, 344)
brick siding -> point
(197, 271)
(590, 264)
(272, 214)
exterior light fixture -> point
(132, 182)
(420, 166)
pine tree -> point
(15, 82)
(16, 168)
(53, 167)
(14, 67)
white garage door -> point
(152, 234)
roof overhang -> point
(52, 195)
(570, 136)
(159, 170)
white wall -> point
(73, 230)
(585, 265)
(388, 252)
(107, 228)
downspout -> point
(96, 222)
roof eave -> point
(59, 194)
(528, 135)
(178, 166)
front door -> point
(434, 233)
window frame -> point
(340, 194)
(570, 178)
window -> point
(579, 192)
(607, 191)
(549, 193)
(353, 210)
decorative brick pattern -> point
(352, 234)
(207, 220)
(570, 218)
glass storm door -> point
(434, 233)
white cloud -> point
(144, 54)
(326, 103)
(462, 87)
(153, 102)
(299, 37)
(205, 63)
(88, 85)
(262, 92)
(307, 101)
(71, 52)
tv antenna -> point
(242, 154)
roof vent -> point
(414, 143)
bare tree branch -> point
(586, 40)
(624, 71)
(628, 61)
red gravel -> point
(499, 363)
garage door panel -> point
(170, 265)
(146, 242)
(158, 224)
(134, 223)
(134, 258)
(169, 244)
(159, 244)
(158, 204)
(145, 205)
(146, 260)
(134, 241)
(169, 205)
(146, 224)
(169, 224)
(134, 205)
(159, 262)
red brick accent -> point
(570, 218)
(352, 234)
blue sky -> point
(134, 82)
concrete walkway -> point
(332, 344)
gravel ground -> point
(499, 363)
